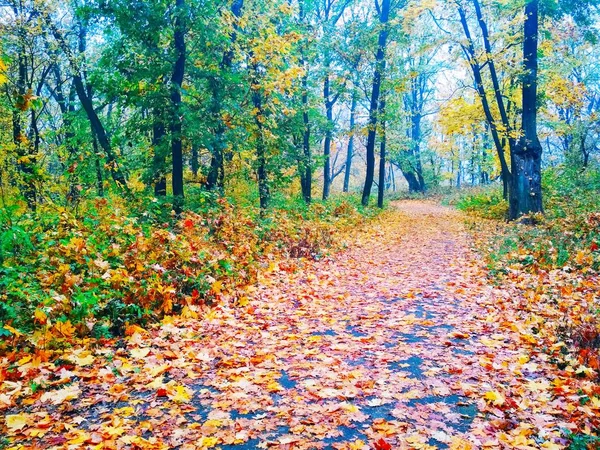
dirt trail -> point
(375, 346)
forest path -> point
(376, 347)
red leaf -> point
(162, 392)
(594, 246)
(381, 444)
(188, 224)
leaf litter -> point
(398, 342)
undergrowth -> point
(555, 265)
(108, 266)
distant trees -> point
(375, 109)
(178, 96)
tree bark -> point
(526, 188)
(306, 157)
(374, 106)
(328, 132)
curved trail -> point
(383, 346)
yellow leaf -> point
(460, 444)
(17, 333)
(357, 445)
(157, 383)
(207, 442)
(495, 397)
(40, 316)
(62, 395)
(188, 313)
(217, 287)
(130, 330)
(139, 353)
(87, 360)
(181, 394)
(16, 422)
(274, 386)
(65, 329)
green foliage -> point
(119, 264)
(580, 441)
(487, 203)
(568, 235)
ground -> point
(397, 342)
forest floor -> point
(397, 342)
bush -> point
(119, 265)
(487, 203)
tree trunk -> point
(26, 158)
(526, 187)
(413, 182)
(374, 106)
(176, 82)
(216, 172)
(328, 134)
(350, 152)
(98, 164)
(381, 183)
(416, 151)
(306, 158)
(470, 54)
(261, 148)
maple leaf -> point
(459, 443)
(61, 395)
(86, 360)
(16, 422)
(64, 329)
(382, 444)
(495, 397)
(180, 394)
(139, 353)
(207, 442)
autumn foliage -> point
(107, 272)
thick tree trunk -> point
(26, 158)
(350, 151)
(413, 182)
(216, 172)
(526, 187)
(374, 107)
(176, 82)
